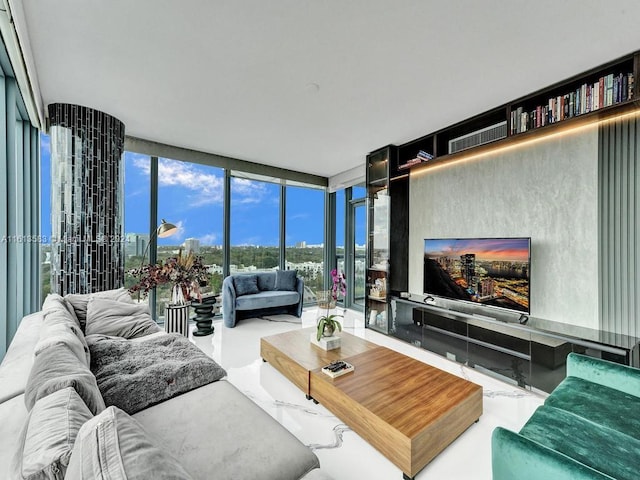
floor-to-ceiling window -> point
(255, 225)
(340, 228)
(20, 234)
(45, 214)
(359, 252)
(191, 197)
(274, 223)
(137, 201)
(305, 226)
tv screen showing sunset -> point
(489, 271)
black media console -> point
(530, 355)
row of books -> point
(608, 90)
(420, 158)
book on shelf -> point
(420, 158)
(608, 90)
(337, 368)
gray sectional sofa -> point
(55, 424)
(252, 294)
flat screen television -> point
(487, 271)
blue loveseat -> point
(588, 428)
(251, 294)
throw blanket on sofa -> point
(136, 375)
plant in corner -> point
(327, 324)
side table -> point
(204, 316)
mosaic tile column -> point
(87, 177)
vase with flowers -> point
(185, 273)
(328, 323)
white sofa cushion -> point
(79, 301)
(119, 319)
(48, 436)
(114, 446)
(53, 334)
(18, 360)
(239, 438)
(56, 368)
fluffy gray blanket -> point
(136, 375)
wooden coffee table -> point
(293, 354)
(408, 410)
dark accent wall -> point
(619, 213)
(87, 246)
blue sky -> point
(191, 196)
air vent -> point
(480, 137)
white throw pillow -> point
(47, 438)
(79, 301)
(113, 445)
(111, 317)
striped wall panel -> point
(619, 235)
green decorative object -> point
(327, 325)
(204, 316)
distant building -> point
(136, 244)
(486, 288)
(301, 244)
(468, 267)
(191, 245)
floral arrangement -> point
(339, 285)
(327, 324)
(185, 272)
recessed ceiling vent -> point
(480, 137)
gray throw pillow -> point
(131, 452)
(111, 317)
(79, 301)
(245, 284)
(267, 281)
(57, 367)
(286, 280)
(45, 444)
(135, 375)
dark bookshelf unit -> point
(387, 234)
(604, 91)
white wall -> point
(546, 190)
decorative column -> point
(87, 244)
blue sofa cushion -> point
(599, 404)
(246, 284)
(286, 280)
(601, 448)
(267, 299)
(267, 281)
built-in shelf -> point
(502, 118)
(378, 299)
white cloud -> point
(205, 188)
(209, 239)
(248, 191)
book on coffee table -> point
(337, 368)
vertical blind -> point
(619, 208)
(19, 210)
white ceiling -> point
(237, 77)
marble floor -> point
(343, 454)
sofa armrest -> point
(229, 302)
(300, 290)
(514, 456)
(608, 374)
